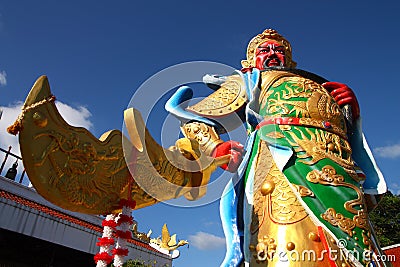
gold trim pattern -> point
(226, 100)
(304, 99)
(269, 78)
(328, 176)
(275, 135)
(335, 129)
(281, 204)
(315, 146)
(304, 191)
(346, 224)
(336, 219)
(205, 135)
(279, 221)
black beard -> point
(265, 65)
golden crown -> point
(267, 35)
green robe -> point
(317, 186)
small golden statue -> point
(139, 235)
(168, 244)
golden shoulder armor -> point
(230, 97)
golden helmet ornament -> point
(268, 35)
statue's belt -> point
(308, 122)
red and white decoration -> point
(115, 227)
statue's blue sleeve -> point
(362, 155)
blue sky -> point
(97, 53)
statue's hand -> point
(232, 148)
(343, 95)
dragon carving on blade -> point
(73, 169)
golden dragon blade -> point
(73, 169)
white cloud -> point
(6, 139)
(3, 78)
(212, 224)
(206, 241)
(392, 151)
(79, 116)
(394, 188)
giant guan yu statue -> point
(303, 182)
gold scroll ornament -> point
(73, 169)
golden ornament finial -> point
(268, 35)
(167, 241)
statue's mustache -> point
(266, 62)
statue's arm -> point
(374, 183)
(205, 135)
(228, 154)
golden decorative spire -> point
(167, 241)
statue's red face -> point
(270, 54)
